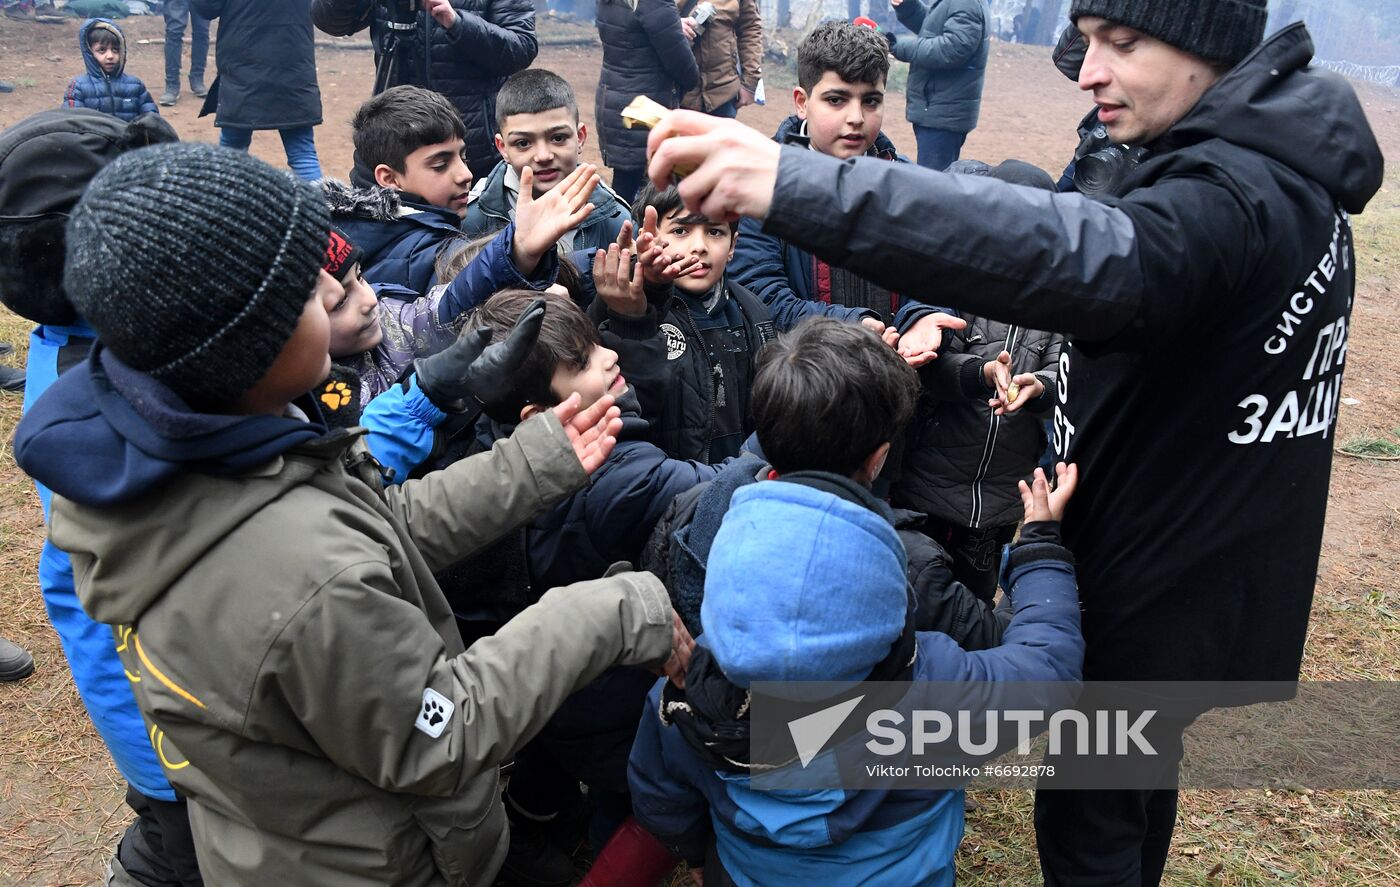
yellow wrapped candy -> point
(648, 114)
(1013, 391)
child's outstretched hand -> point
(1013, 392)
(592, 432)
(541, 221)
(619, 283)
(658, 267)
(682, 645)
(920, 343)
(1040, 502)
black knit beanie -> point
(1215, 30)
(194, 263)
(46, 162)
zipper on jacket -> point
(707, 373)
(993, 426)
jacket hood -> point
(825, 601)
(489, 196)
(134, 435)
(790, 132)
(373, 203)
(1275, 90)
(90, 60)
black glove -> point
(890, 38)
(469, 373)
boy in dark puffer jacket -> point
(106, 86)
(688, 343)
(971, 442)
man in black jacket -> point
(464, 49)
(1230, 237)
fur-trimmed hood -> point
(344, 199)
(400, 236)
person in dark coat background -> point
(947, 65)
(472, 47)
(645, 52)
(266, 55)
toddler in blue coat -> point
(106, 86)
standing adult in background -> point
(176, 13)
(1197, 524)
(464, 49)
(645, 52)
(267, 76)
(947, 65)
(729, 53)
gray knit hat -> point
(1215, 30)
(193, 263)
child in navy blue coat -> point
(106, 86)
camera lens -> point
(1099, 172)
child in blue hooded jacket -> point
(106, 86)
(827, 600)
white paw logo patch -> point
(435, 712)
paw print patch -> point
(336, 395)
(434, 713)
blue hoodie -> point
(135, 434)
(869, 837)
(119, 93)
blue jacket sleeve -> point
(910, 310)
(490, 272)
(759, 266)
(1043, 641)
(148, 104)
(672, 809)
(626, 501)
(401, 422)
(73, 96)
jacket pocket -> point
(466, 832)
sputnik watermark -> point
(1090, 735)
(1112, 732)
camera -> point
(402, 13)
(702, 15)
(1100, 165)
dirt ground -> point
(60, 798)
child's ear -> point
(501, 146)
(386, 177)
(582, 136)
(873, 465)
(799, 101)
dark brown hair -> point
(567, 338)
(827, 395)
(399, 121)
(855, 54)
